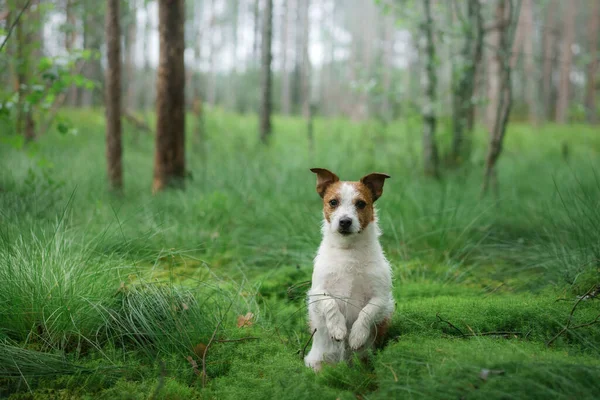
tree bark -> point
(429, 81)
(463, 106)
(549, 43)
(266, 58)
(533, 106)
(130, 57)
(211, 95)
(70, 38)
(113, 97)
(506, 14)
(285, 76)
(592, 67)
(566, 60)
(255, 38)
(169, 156)
(25, 124)
(307, 108)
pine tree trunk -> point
(113, 96)
(307, 108)
(429, 82)
(169, 156)
(285, 76)
(255, 38)
(566, 60)
(592, 67)
(211, 95)
(25, 124)
(266, 58)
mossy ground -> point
(117, 297)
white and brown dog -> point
(350, 301)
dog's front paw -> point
(358, 336)
(338, 332)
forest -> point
(159, 220)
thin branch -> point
(12, 27)
(450, 324)
(307, 343)
(568, 325)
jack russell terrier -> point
(350, 301)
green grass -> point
(111, 296)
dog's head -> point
(348, 206)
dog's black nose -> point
(345, 223)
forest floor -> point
(201, 293)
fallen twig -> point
(473, 333)
(307, 343)
(568, 325)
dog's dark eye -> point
(333, 203)
(361, 204)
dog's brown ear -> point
(324, 179)
(375, 182)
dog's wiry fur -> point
(350, 300)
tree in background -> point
(265, 82)
(566, 60)
(464, 82)
(592, 67)
(429, 81)
(113, 96)
(169, 156)
(506, 14)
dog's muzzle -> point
(345, 226)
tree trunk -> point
(592, 67)
(211, 95)
(169, 156)
(266, 57)
(25, 124)
(506, 14)
(533, 107)
(285, 76)
(388, 56)
(70, 38)
(232, 86)
(307, 108)
(549, 43)
(256, 40)
(566, 60)
(130, 57)
(92, 40)
(113, 96)
(463, 107)
(429, 81)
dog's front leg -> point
(373, 313)
(334, 320)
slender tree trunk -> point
(307, 107)
(211, 96)
(533, 107)
(130, 57)
(464, 86)
(592, 67)
(506, 14)
(113, 96)
(70, 38)
(566, 60)
(429, 82)
(232, 92)
(388, 61)
(147, 100)
(266, 58)
(25, 125)
(549, 40)
(169, 157)
(285, 76)
(255, 37)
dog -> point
(350, 301)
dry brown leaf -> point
(199, 349)
(245, 320)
